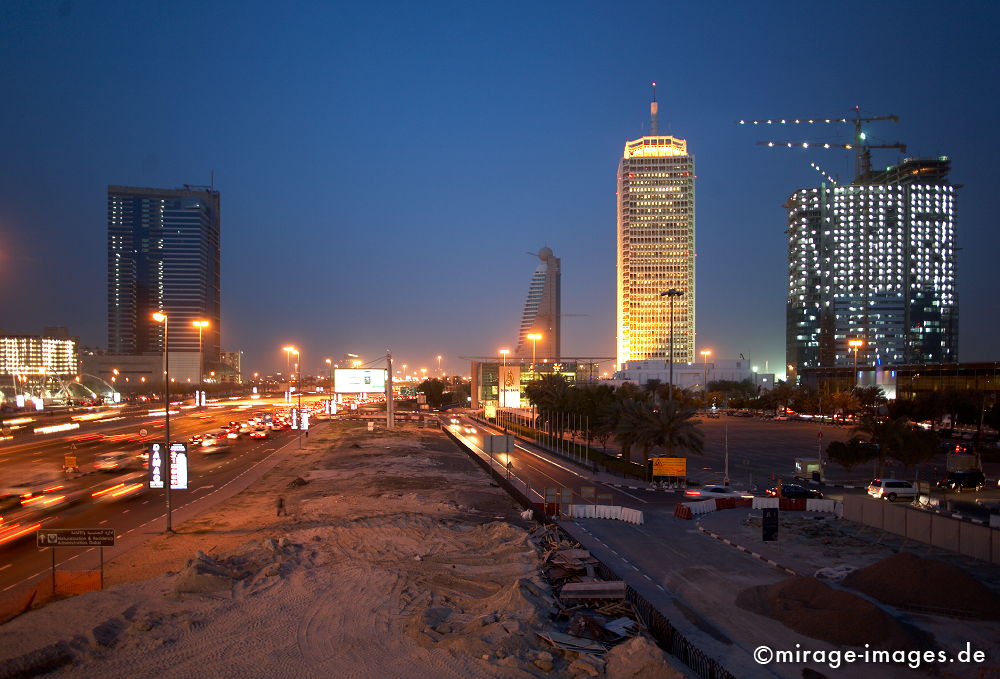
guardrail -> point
(666, 635)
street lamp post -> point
(439, 366)
(503, 373)
(534, 337)
(706, 353)
(201, 325)
(160, 317)
(288, 363)
(329, 362)
(670, 295)
(855, 344)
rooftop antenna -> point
(654, 116)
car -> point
(794, 491)
(196, 439)
(209, 440)
(469, 429)
(116, 461)
(892, 489)
(259, 433)
(966, 479)
(234, 434)
(709, 492)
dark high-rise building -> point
(873, 263)
(163, 255)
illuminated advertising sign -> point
(510, 386)
(178, 466)
(358, 381)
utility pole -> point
(389, 424)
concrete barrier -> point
(894, 519)
(616, 512)
(821, 506)
(871, 513)
(765, 503)
(944, 532)
(974, 540)
(918, 527)
(682, 511)
(853, 508)
(703, 507)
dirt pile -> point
(640, 658)
(908, 581)
(814, 609)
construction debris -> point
(587, 591)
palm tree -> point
(671, 427)
(870, 398)
(548, 394)
(895, 439)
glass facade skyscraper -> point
(163, 255)
(656, 229)
(874, 261)
(542, 310)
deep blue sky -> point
(385, 167)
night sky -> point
(385, 168)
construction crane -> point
(861, 146)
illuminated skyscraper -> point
(655, 248)
(542, 309)
(163, 255)
(874, 261)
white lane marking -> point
(101, 523)
(3, 568)
(126, 511)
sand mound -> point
(909, 581)
(640, 658)
(816, 610)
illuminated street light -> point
(439, 365)
(288, 358)
(855, 344)
(329, 362)
(706, 353)
(670, 295)
(503, 354)
(201, 325)
(534, 337)
(160, 317)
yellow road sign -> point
(669, 466)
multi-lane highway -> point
(95, 499)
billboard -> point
(358, 381)
(510, 386)
(669, 466)
(178, 466)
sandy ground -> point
(396, 559)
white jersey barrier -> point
(703, 507)
(605, 512)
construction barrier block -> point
(743, 503)
(764, 502)
(789, 505)
(725, 503)
(682, 511)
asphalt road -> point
(21, 561)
